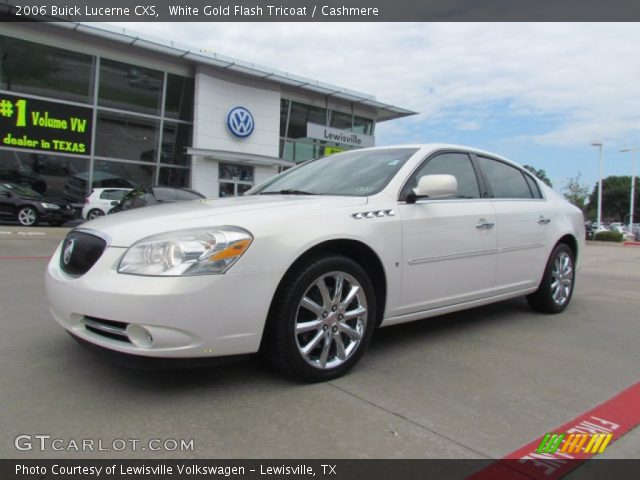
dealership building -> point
(84, 105)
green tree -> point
(541, 174)
(616, 192)
(576, 192)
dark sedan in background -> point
(28, 207)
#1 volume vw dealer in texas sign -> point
(41, 125)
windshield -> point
(21, 190)
(355, 173)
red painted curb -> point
(631, 244)
(617, 416)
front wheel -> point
(322, 319)
(556, 288)
(27, 216)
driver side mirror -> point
(434, 186)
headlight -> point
(198, 251)
(50, 206)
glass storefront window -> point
(300, 151)
(107, 173)
(180, 98)
(235, 172)
(126, 136)
(173, 177)
(341, 120)
(234, 179)
(300, 115)
(130, 87)
(46, 174)
(227, 189)
(176, 137)
(38, 69)
(362, 125)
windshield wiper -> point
(287, 191)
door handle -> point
(543, 221)
(484, 225)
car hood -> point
(44, 199)
(127, 227)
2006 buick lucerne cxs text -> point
(306, 265)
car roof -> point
(432, 147)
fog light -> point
(139, 336)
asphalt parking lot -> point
(476, 384)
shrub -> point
(609, 236)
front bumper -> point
(62, 215)
(170, 317)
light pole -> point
(634, 153)
(599, 144)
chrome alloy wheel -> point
(27, 216)
(562, 278)
(330, 320)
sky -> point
(537, 93)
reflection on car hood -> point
(127, 227)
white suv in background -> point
(101, 201)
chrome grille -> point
(80, 251)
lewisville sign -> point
(42, 125)
(335, 135)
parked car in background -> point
(147, 196)
(101, 201)
(75, 190)
(28, 207)
(306, 265)
(594, 228)
(18, 177)
(617, 227)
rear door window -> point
(505, 180)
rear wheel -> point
(556, 288)
(322, 319)
(27, 216)
(94, 213)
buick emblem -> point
(68, 250)
(240, 122)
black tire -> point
(542, 299)
(281, 345)
(27, 216)
(94, 213)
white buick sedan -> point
(305, 266)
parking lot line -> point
(615, 416)
(26, 257)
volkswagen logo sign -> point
(240, 122)
(68, 250)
